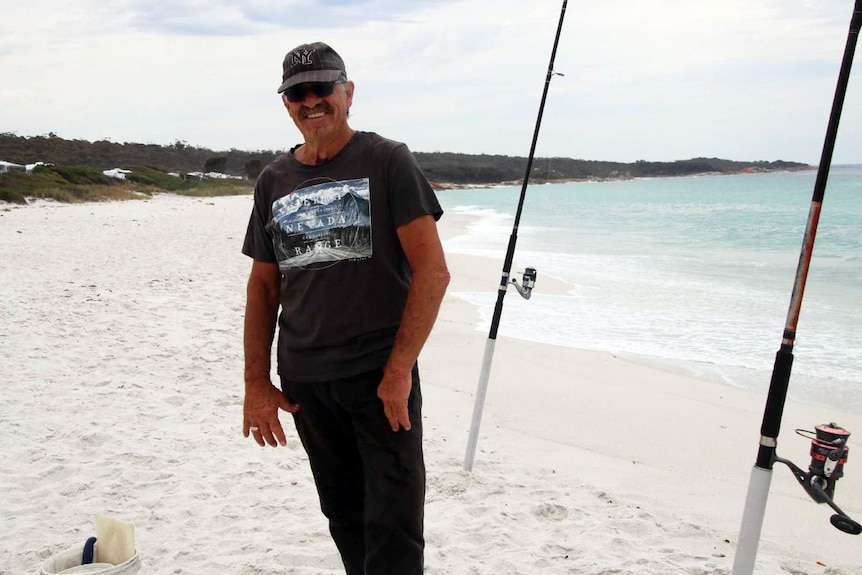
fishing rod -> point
(529, 277)
(829, 442)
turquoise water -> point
(692, 272)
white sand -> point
(121, 370)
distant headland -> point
(151, 167)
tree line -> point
(481, 169)
(440, 167)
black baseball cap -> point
(315, 62)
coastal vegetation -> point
(82, 184)
(483, 169)
(72, 170)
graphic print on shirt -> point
(314, 226)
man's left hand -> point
(393, 391)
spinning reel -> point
(828, 455)
(527, 283)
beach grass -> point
(74, 184)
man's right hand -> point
(260, 412)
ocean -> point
(693, 273)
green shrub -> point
(82, 175)
(150, 176)
(12, 197)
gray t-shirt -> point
(345, 278)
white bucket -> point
(69, 563)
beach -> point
(121, 362)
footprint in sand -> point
(550, 512)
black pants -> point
(371, 480)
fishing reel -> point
(828, 455)
(527, 283)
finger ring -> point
(254, 428)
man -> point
(344, 238)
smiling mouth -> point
(318, 111)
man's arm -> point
(421, 245)
(262, 398)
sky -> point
(655, 80)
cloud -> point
(652, 79)
(245, 17)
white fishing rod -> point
(828, 441)
(529, 278)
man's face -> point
(316, 110)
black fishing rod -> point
(529, 277)
(828, 450)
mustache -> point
(321, 107)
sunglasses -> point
(298, 93)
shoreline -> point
(676, 434)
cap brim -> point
(311, 76)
